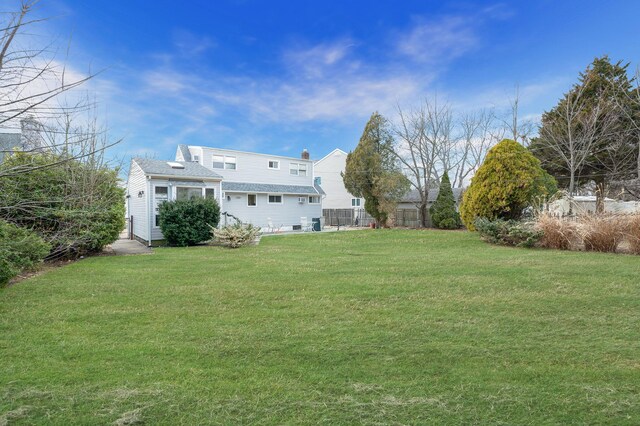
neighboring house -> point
(151, 182)
(407, 211)
(269, 191)
(329, 170)
(9, 142)
(28, 139)
(586, 204)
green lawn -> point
(373, 327)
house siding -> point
(253, 167)
(137, 182)
(283, 215)
(329, 169)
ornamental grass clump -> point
(237, 235)
(633, 233)
(602, 232)
(557, 233)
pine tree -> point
(443, 212)
(372, 171)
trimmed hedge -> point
(188, 222)
(20, 249)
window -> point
(355, 202)
(185, 193)
(229, 162)
(297, 169)
(275, 199)
(210, 193)
(162, 192)
(252, 200)
(273, 164)
(218, 162)
(317, 180)
(315, 199)
(196, 158)
(161, 195)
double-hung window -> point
(297, 169)
(224, 162)
(314, 199)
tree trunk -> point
(424, 214)
(599, 197)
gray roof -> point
(162, 168)
(319, 189)
(267, 188)
(184, 150)
(9, 141)
(413, 196)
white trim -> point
(256, 200)
(329, 154)
(275, 195)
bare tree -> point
(31, 79)
(478, 133)
(572, 131)
(519, 129)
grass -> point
(370, 327)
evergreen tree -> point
(443, 212)
(509, 180)
(372, 171)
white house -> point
(329, 170)
(269, 191)
(152, 182)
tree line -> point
(589, 142)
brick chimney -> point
(305, 154)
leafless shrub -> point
(602, 232)
(558, 233)
(633, 233)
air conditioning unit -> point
(301, 200)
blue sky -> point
(277, 77)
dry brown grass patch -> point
(602, 232)
(558, 233)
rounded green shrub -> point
(188, 222)
(20, 249)
(509, 180)
(443, 211)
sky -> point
(276, 77)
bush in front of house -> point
(236, 235)
(508, 232)
(20, 250)
(187, 222)
(443, 211)
(509, 180)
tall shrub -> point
(443, 211)
(188, 222)
(20, 249)
(76, 206)
(509, 180)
